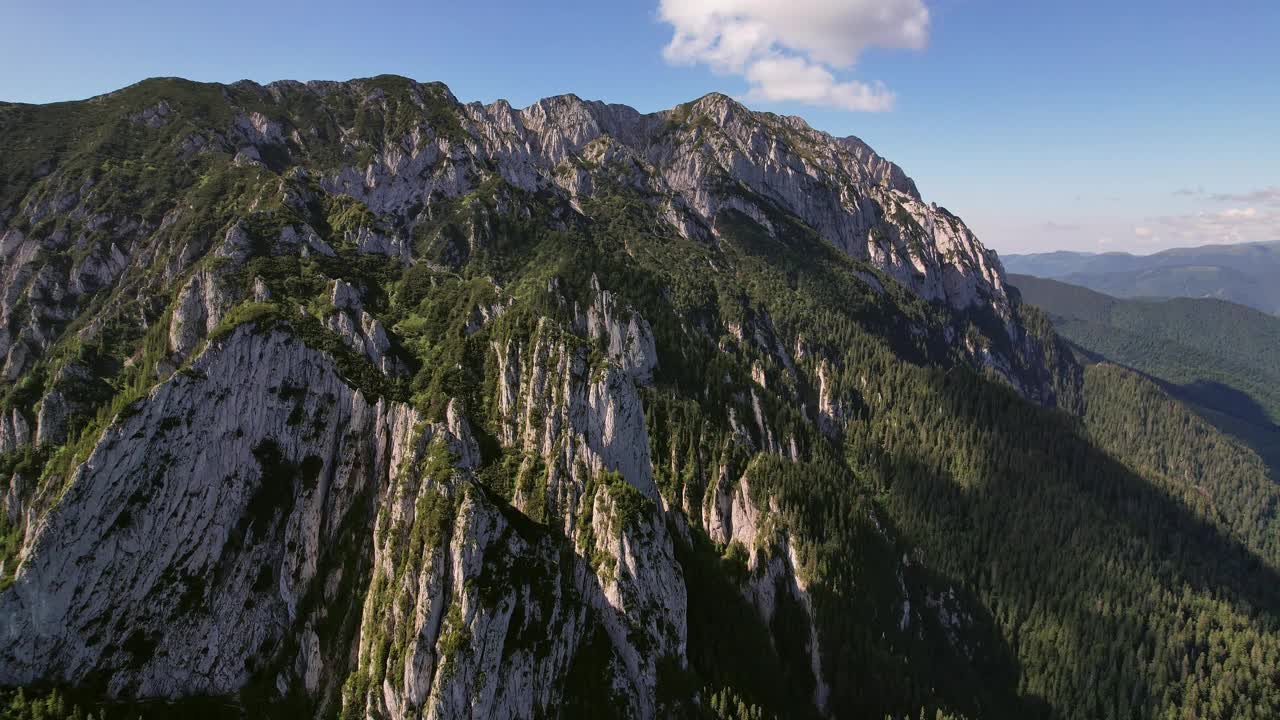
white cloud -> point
(794, 78)
(1131, 232)
(791, 50)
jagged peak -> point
(610, 118)
(560, 106)
(715, 106)
(724, 112)
(553, 105)
(562, 99)
(718, 100)
(502, 105)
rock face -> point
(202, 531)
(387, 405)
(201, 304)
(192, 548)
(733, 518)
(203, 496)
(14, 431)
(627, 337)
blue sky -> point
(1084, 125)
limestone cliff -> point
(351, 398)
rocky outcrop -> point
(155, 116)
(641, 591)
(830, 414)
(625, 335)
(14, 431)
(586, 469)
(98, 269)
(733, 517)
(372, 242)
(13, 504)
(467, 614)
(304, 241)
(362, 332)
(201, 303)
(51, 424)
(579, 420)
(71, 395)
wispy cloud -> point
(1229, 225)
(1136, 232)
(1264, 196)
(793, 50)
(794, 78)
(1239, 213)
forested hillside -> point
(1217, 356)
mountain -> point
(1060, 263)
(1247, 273)
(1216, 356)
(348, 399)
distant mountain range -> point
(1216, 356)
(1248, 274)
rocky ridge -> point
(289, 426)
